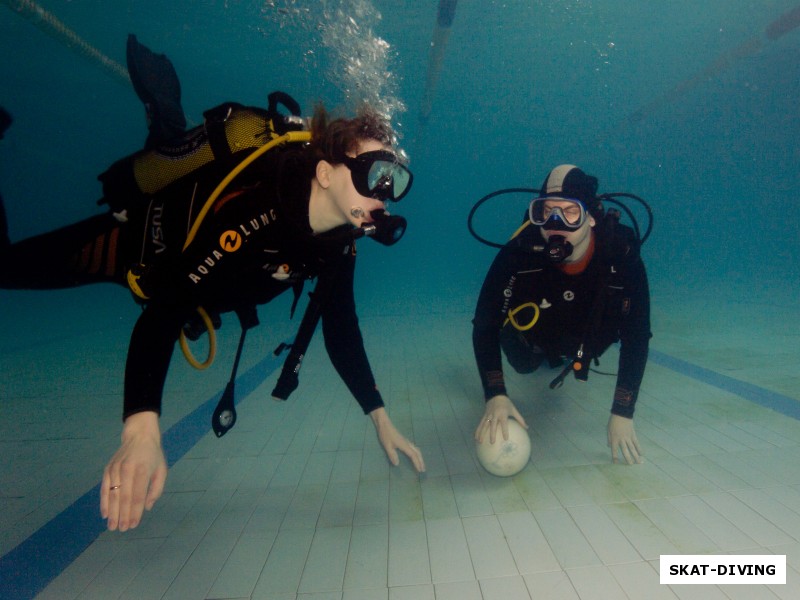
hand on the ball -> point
(498, 410)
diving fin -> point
(5, 121)
(156, 83)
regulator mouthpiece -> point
(557, 248)
(386, 229)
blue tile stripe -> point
(30, 567)
(33, 564)
(778, 402)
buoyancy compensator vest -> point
(228, 134)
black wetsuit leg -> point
(92, 251)
(522, 354)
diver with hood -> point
(189, 235)
(569, 284)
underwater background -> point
(524, 86)
(689, 105)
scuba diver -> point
(569, 283)
(188, 234)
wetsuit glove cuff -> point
(624, 402)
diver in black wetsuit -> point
(569, 284)
(292, 216)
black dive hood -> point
(385, 228)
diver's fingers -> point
(415, 454)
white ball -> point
(508, 457)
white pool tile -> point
(607, 541)
(595, 583)
(641, 580)
(409, 561)
(368, 558)
(568, 543)
(530, 549)
(449, 552)
(553, 585)
(325, 566)
(504, 588)
(491, 555)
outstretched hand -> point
(622, 440)
(134, 478)
(392, 440)
(498, 410)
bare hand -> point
(622, 440)
(498, 410)
(392, 440)
(134, 478)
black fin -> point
(156, 83)
(5, 121)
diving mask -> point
(560, 214)
(379, 174)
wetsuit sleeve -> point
(487, 322)
(149, 354)
(342, 335)
(634, 341)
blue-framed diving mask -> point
(554, 213)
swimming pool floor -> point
(299, 502)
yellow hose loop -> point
(512, 316)
(520, 229)
(212, 343)
(291, 136)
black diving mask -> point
(559, 214)
(379, 174)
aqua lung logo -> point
(508, 292)
(231, 241)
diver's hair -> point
(333, 140)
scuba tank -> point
(228, 134)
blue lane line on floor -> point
(33, 564)
(778, 402)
